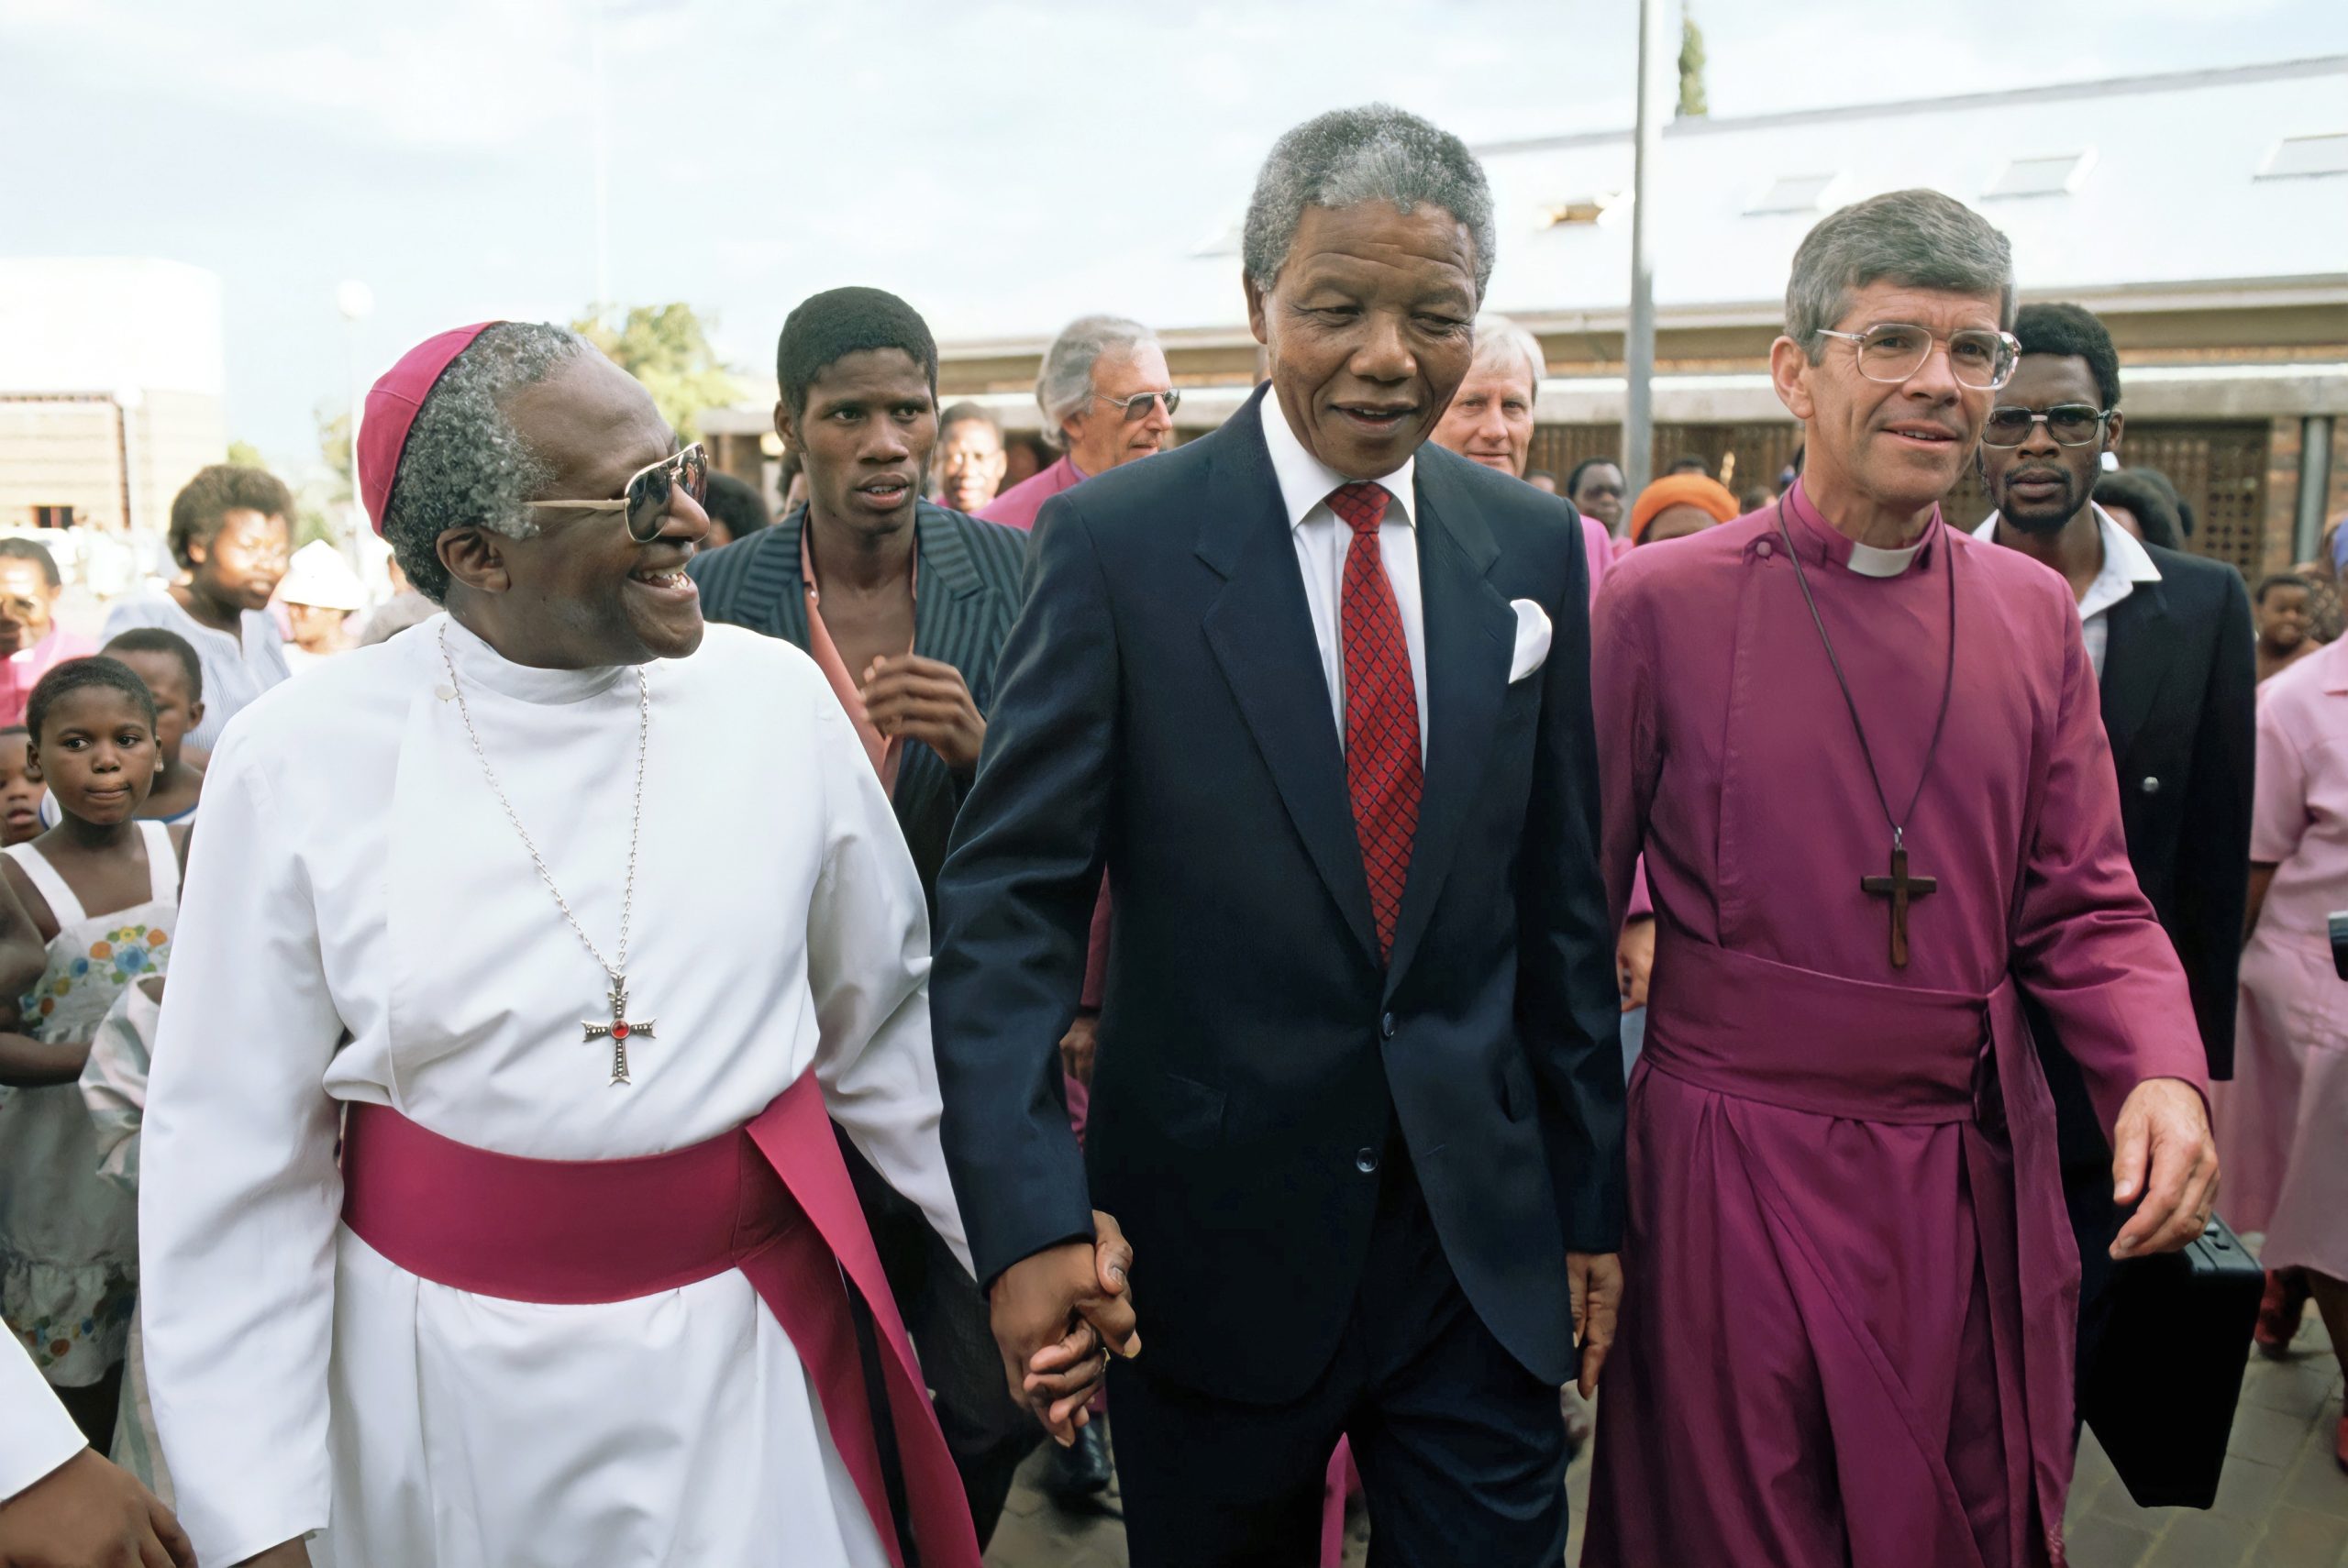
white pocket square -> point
(1532, 639)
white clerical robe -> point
(363, 923)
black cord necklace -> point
(1898, 887)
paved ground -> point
(2283, 1504)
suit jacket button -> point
(1366, 1161)
(1765, 549)
(2150, 785)
(1386, 1027)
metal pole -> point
(2315, 479)
(602, 165)
(1638, 345)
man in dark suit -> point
(905, 606)
(1317, 694)
(2170, 636)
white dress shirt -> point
(1322, 541)
(36, 1434)
(2125, 564)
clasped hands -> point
(1059, 1315)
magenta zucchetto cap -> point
(391, 408)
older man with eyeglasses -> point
(1107, 399)
(1862, 755)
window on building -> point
(1795, 193)
(52, 517)
(2300, 157)
(2052, 175)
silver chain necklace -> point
(620, 1029)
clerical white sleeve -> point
(868, 966)
(241, 1192)
(36, 1434)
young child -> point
(114, 1085)
(167, 662)
(102, 890)
(21, 795)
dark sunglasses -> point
(1136, 407)
(645, 496)
(2071, 425)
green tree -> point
(245, 455)
(667, 347)
(334, 449)
(1693, 103)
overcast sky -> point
(991, 159)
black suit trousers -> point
(1462, 1451)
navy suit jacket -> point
(965, 592)
(1162, 711)
(2181, 708)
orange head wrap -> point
(1681, 489)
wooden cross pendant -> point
(1899, 888)
(619, 1032)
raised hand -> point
(926, 699)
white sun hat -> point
(319, 576)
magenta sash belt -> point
(1752, 1030)
(771, 1198)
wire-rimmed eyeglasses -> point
(1893, 351)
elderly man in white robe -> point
(573, 1291)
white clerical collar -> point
(479, 665)
(2126, 563)
(1305, 480)
(1873, 560)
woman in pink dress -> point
(2283, 1123)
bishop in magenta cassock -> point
(1849, 1282)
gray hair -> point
(1918, 239)
(1064, 386)
(1374, 153)
(465, 465)
(1502, 344)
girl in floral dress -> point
(102, 888)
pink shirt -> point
(1017, 506)
(883, 750)
(2299, 820)
(1598, 545)
(20, 672)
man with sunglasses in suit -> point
(2170, 637)
(1107, 399)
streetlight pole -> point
(1638, 348)
(602, 143)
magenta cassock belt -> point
(1752, 1030)
(771, 1198)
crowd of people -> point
(1420, 943)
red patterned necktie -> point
(1383, 772)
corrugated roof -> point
(2165, 199)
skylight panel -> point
(2054, 174)
(1222, 242)
(1578, 212)
(2301, 157)
(1795, 193)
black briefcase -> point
(2162, 1395)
